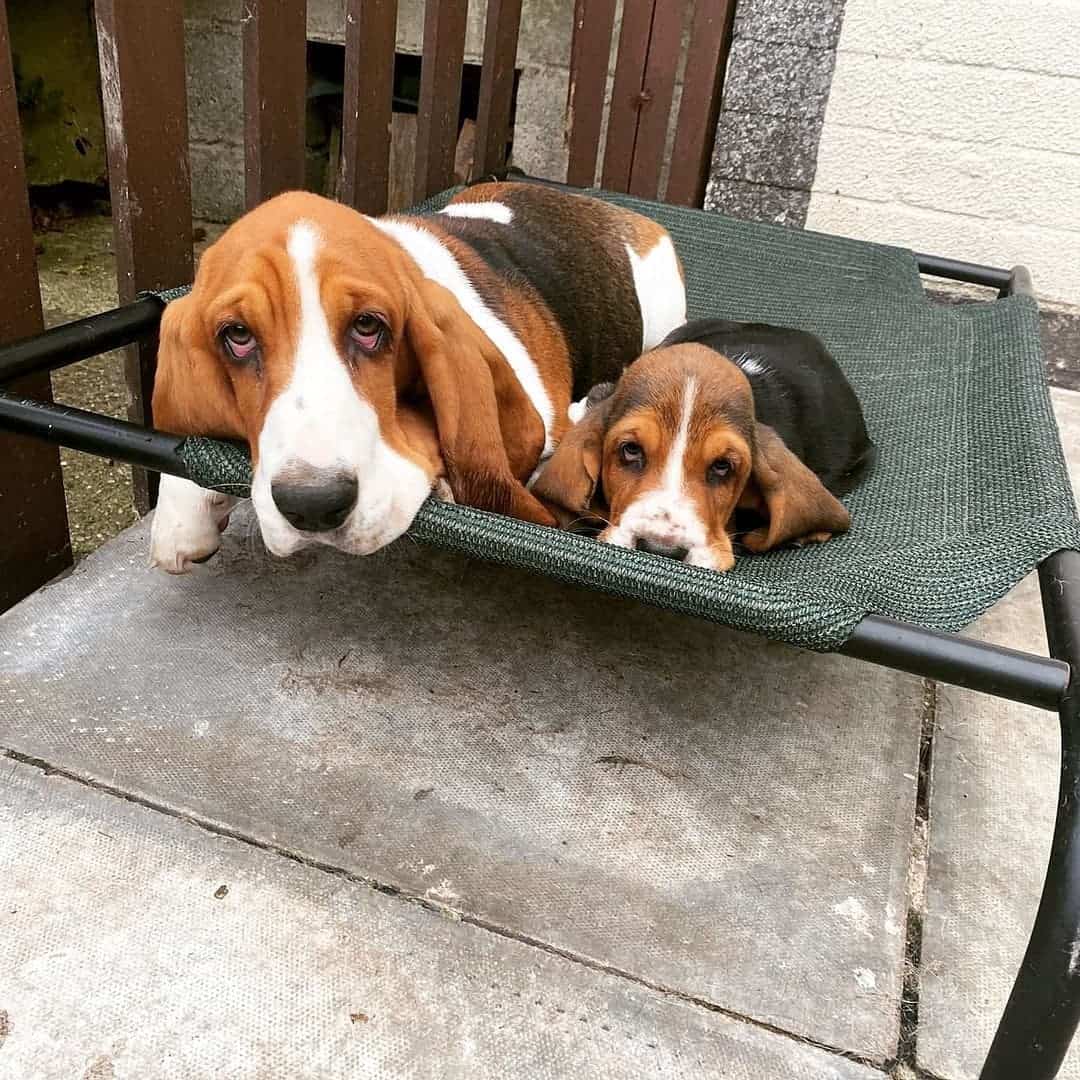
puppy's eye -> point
(718, 471)
(632, 455)
(367, 332)
(239, 342)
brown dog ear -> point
(473, 396)
(797, 504)
(192, 392)
(568, 481)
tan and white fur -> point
(367, 362)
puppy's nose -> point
(668, 552)
(319, 502)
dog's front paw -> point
(187, 525)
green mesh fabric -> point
(970, 490)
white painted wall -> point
(953, 127)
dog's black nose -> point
(317, 503)
(678, 553)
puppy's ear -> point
(192, 392)
(468, 380)
(568, 481)
(796, 503)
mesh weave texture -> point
(970, 491)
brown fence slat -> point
(440, 94)
(657, 90)
(144, 94)
(34, 542)
(274, 38)
(626, 93)
(370, 41)
(706, 62)
(496, 86)
(589, 52)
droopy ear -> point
(192, 393)
(465, 378)
(569, 479)
(797, 504)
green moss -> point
(58, 87)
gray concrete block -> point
(815, 23)
(769, 79)
(774, 150)
(993, 799)
(758, 202)
(540, 146)
(213, 12)
(706, 811)
(215, 74)
(217, 181)
(137, 945)
(326, 22)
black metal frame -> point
(1044, 1007)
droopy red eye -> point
(367, 332)
(240, 343)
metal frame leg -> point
(1044, 1007)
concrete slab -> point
(993, 796)
(704, 811)
(137, 945)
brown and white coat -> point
(368, 361)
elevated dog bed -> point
(969, 494)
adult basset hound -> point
(368, 361)
(726, 430)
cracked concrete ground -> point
(415, 816)
(328, 817)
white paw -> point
(187, 524)
(442, 491)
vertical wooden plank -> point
(657, 90)
(703, 87)
(626, 93)
(496, 86)
(34, 541)
(274, 36)
(144, 94)
(370, 42)
(440, 95)
(589, 52)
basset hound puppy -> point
(369, 361)
(727, 430)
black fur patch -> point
(575, 265)
(799, 391)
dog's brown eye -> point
(632, 455)
(718, 471)
(367, 332)
(239, 341)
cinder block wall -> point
(215, 89)
(955, 128)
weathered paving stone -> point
(703, 810)
(993, 797)
(136, 945)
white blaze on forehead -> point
(320, 423)
(674, 479)
(484, 211)
(667, 514)
(437, 263)
(320, 407)
(660, 291)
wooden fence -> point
(144, 95)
